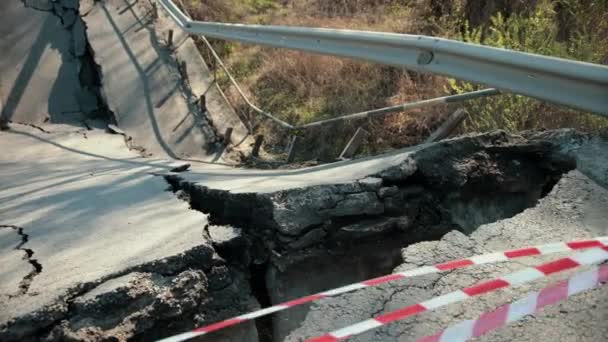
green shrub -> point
(538, 33)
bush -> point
(539, 33)
(300, 87)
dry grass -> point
(301, 88)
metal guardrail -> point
(575, 84)
(361, 115)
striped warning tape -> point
(528, 305)
(545, 249)
(526, 275)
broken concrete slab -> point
(270, 232)
(44, 62)
(39, 76)
(201, 82)
(93, 212)
(10, 254)
(371, 184)
(558, 217)
(145, 90)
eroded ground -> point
(99, 243)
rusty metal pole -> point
(448, 126)
(202, 102)
(170, 38)
(228, 136)
(291, 149)
(259, 139)
(154, 11)
(353, 145)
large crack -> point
(455, 185)
(90, 97)
(28, 254)
(280, 246)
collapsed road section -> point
(125, 259)
(275, 245)
(120, 248)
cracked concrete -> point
(112, 239)
(28, 254)
(97, 217)
(568, 212)
(325, 236)
(144, 87)
(48, 73)
(93, 212)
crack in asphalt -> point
(26, 282)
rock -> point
(404, 223)
(121, 306)
(296, 210)
(394, 205)
(224, 237)
(366, 229)
(412, 191)
(181, 168)
(230, 243)
(113, 129)
(348, 188)
(312, 237)
(371, 184)
(365, 203)
(400, 172)
(219, 278)
(388, 192)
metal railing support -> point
(219, 62)
(259, 139)
(407, 106)
(216, 60)
(291, 149)
(353, 145)
(448, 126)
(170, 38)
(228, 136)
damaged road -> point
(28, 254)
(574, 209)
(119, 247)
(112, 240)
(132, 251)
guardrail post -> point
(228, 136)
(214, 70)
(202, 102)
(259, 139)
(448, 126)
(154, 11)
(354, 144)
(183, 69)
(291, 149)
(4, 125)
(170, 38)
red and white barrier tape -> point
(590, 257)
(528, 305)
(447, 266)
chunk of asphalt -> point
(181, 168)
(113, 129)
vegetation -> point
(539, 32)
(302, 88)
